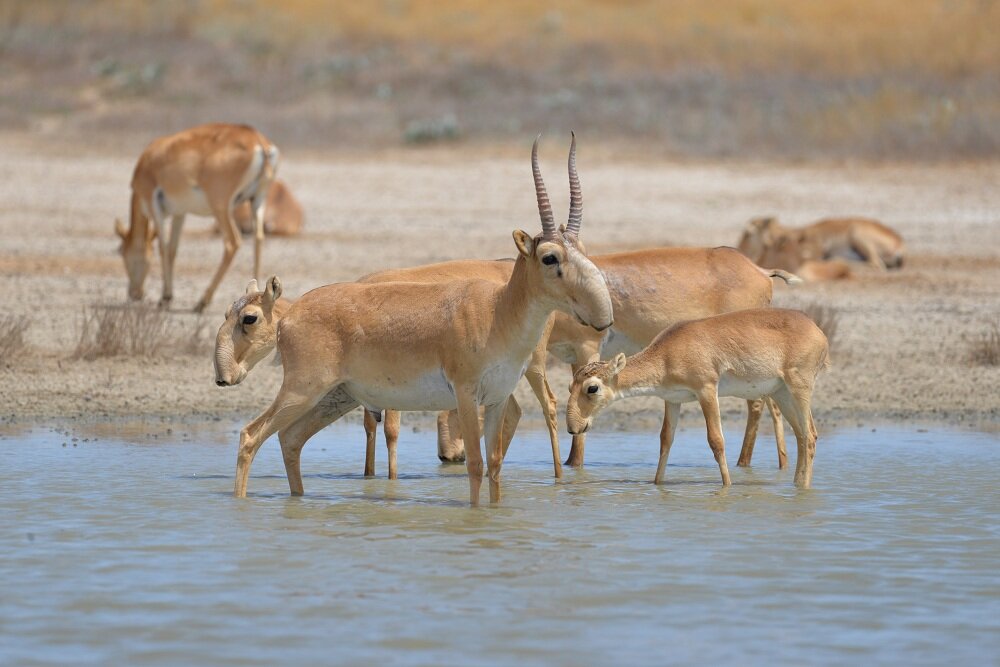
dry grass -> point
(985, 350)
(111, 331)
(12, 341)
(827, 318)
(138, 331)
(840, 78)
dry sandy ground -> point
(900, 352)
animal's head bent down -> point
(594, 387)
(249, 333)
(137, 253)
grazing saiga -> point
(206, 170)
(750, 354)
(428, 346)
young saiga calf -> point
(750, 354)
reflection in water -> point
(122, 552)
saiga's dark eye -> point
(249, 319)
(592, 389)
(549, 260)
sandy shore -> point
(900, 352)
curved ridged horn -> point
(575, 194)
(544, 207)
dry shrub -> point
(139, 331)
(110, 331)
(12, 342)
(985, 350)
(827, 318)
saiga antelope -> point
(652, 289)
(249, 333)
(422, 346)
(283, 214)
(766, 240)
(749, 354)
(788, 252)
(205, 170)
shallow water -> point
(132, 551)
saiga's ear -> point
(272, 292)
(252, 287)
(618, 364)
(525, 244)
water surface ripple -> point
(129, 551)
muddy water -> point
(132, 551)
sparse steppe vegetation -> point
(900, 350)
(984, 350)
(138, 330)
(12, 338)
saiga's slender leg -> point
(493, 436)
(709, 399)
(754, 410)
(286, 409)
(390, 427)
(257, 207)
(535, 374)
(799, 418)
(292, 440)
(800, 388)
(671, 413)
(231, 241)
(371, 430)
(779, 431)
(164, 242)
(468, 415)
(176, 225)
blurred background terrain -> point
(781, 79)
